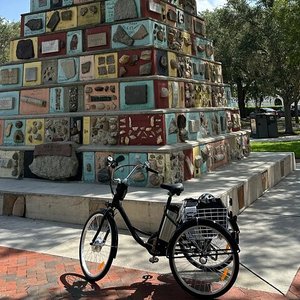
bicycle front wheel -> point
(204, 258)
(98, 245)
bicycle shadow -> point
(163, 287)
(77, 286)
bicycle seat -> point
(175, 188)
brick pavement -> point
(26, 275)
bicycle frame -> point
(116, 204)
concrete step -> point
(72, 202)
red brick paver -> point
(29, 275)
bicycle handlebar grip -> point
(151, 170)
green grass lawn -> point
(293, 146)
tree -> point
(258, 46)
(284, 52)
(8, 31)
(239, 45)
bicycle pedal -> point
(153, 259)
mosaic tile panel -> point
(74, 42)
(34, 101)
(140, 177)
(9, 103)
(73, 98)
(34, 132)
(87, 68)
(104, 130)
(11, 164)
(116, 10)
(106, 66)
(101, 167)
(89, 14)
(34, 24)
(101, 97)
(139, 33)
(57, 130)
(52, 44)
(11, 76)
(98, 38)
(148, 129)
(68, 69)
(32, 74)
(63, 19)
(76, 130)
(24, 49)
(39, 5)
(88, 172)
(14, 133)
(137, 95)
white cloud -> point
(209, 4)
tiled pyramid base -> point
(244, 181)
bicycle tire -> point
(96, 258)
(216, 271)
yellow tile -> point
(35, 129)
(86, 130)
(187, 43)
(106, 66)
(172, 57)
(13, 49)
(63, 24)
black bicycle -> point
(203, 254)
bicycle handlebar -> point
(148, 169)
(114, 164)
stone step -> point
(243, 181)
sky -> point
(209, 4)
(12, 9)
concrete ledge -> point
(244, 181)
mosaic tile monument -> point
(132, 77)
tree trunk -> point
(288, 118)
(296, 112)
(241, 98)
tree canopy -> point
(258, 45)
(8, 30)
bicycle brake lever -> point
(148, 169)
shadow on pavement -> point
(162, 287)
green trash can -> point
(264, 125)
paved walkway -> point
(33, 275)
(38, 259)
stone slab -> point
(53, 149)
(70, 209)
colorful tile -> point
(34, 101)
(34, 132)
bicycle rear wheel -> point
(204, 258)
(98, 245)
(219, 264)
